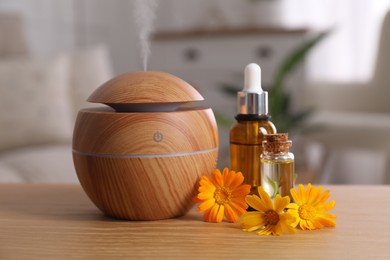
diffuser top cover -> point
(148, 88)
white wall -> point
(55, 25)
(58, 25)
(63, 25)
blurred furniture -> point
(12, 36)
(207, 58)
(355, 115)
(39, 100)
(57, 221)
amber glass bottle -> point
(253, 123)
(246, 138)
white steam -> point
(145, 14)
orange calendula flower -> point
(310, 207)
(269, 217)
(222, 195)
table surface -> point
(57, 221)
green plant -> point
(283, 117)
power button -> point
(158, 137)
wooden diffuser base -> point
(142, 160)
(144, 166)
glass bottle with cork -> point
(277, 165)
(247, 134)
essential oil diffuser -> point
(141, 158)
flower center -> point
(222, 195)
(307, 212)
(271, 217)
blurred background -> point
(324, 62)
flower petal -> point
(205, 195)
(315, 195)
(287, 218)
(213, 213)
(217, 177)
(252, 220)
(328, 206)
(289, 228)
(301, 194)
(303, 224)
(205, 205)
(206, 215)
(237, 180)
(238, 206)
(256, 203)
(225, 171)
(292, 206)
(230, 214)
(265, 198)
(297, 220)
(324, 196)
(196, 199)
(327, 220)
(306, 225)
(206, 184)
(295, 196)
(306, 193)
(228, 177)
(281, 203)
(277, 229)
(220, 214)
(265, 231)
(241, 191)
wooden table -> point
(59, 222)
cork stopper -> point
(276, 143)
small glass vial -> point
(277, 165)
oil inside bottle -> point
(246, 147)
(241, 159)
(277, 177)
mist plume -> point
(145, 14)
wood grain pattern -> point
(59, 222)
(102, 131)
(129, 174)
(145, 87)
(143, 188)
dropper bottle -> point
(247, 134)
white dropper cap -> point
(252, 100)
(252, 82)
